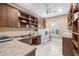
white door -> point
(55, 30)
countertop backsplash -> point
(17, 33)
(13, 32)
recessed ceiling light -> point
(60, 10)
(44, 14)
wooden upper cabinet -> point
(41, 23)
(2, 15)
(8, 16)
(12, 17)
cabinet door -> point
(67, 46)
(32, 53)
(12, 17)
(2, 15)
(41, 23)
(27, 41)
(36, 40)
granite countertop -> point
(20, 38)
(15, 48)
(67, 34)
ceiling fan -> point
(49, 10)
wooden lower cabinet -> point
(67, 46)
(27, 41)
(32, 53)
(36, 40)
(32, 40)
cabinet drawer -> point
(27, 41)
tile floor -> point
(51, 48)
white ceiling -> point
(39, 8)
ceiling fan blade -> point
(53, 11)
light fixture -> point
(48, 10)
(44, 14)
(60, 10)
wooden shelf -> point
(27, 19)
(75, 43)
(24, 18)
(24, 22)
(33, 23)
(76, 33)
(70, 23)
(74, 52)
(75, 21)
(75, 9)
(70, 16)
(70, 9)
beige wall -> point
(62, 20)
